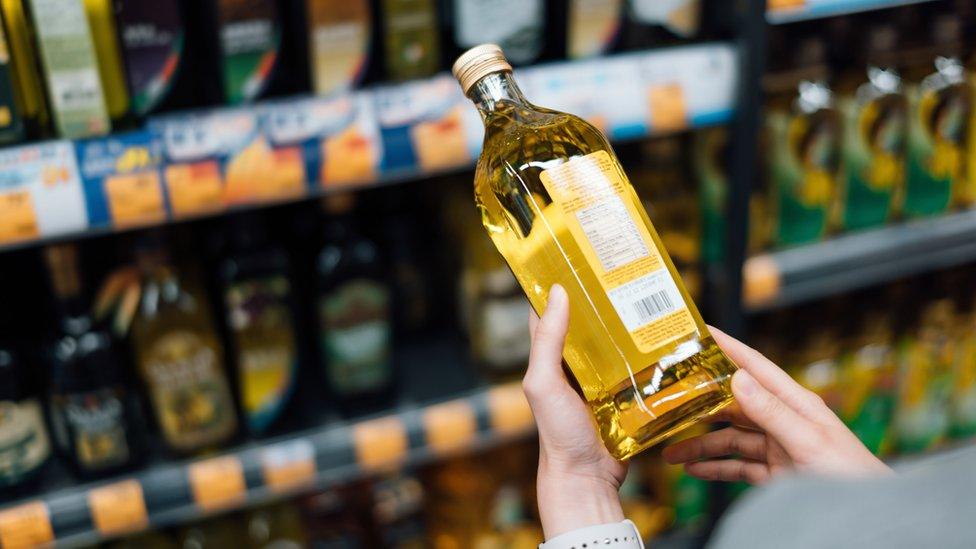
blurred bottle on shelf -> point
(940, 108)
(925, 365)
(518, 26)
(257, 296)
(69, 67)
(962, 402)
(709, 153)
(816, 364)
(28, 89)
(875, 118)
(24, 443)
(653, 23)
(249, 39)
(398, 504)
(803, 140)
(411, 278)
(101, 20)
(180, 357)
(411, 38)
(339, 517)
(340, 43)
(354, 310)
(593, 27)
(278, 526)
(154, 40)
(95, 417)
(11, 109)
(685, 495)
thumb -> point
(771, 414)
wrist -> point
(568, 502)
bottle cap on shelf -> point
(478, 62)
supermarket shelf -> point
(207, 162)
(858, 260)
(790, 11)
(169, 494)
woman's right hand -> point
(777, 426)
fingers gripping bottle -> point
(556, 203)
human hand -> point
(578, 480)
(777, 426)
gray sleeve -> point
(930, 503)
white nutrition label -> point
(612, 232)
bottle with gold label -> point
(411, 38)
(180, 357)
(593, 27)
(803, 154)
(28, 89)
(558, 206)
(875, 112)
(95, 417)
(24, 444)
(257, 300)
(940, 107)
(339, 43)
(354, 310)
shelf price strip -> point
(27, 525)
(118, 508)
(450, 426)
(288, 465)
(380, 444)
(218, 483)
(509, 412)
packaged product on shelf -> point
(411, 37)
(95, 417)
(353, 309)
(257, 296)
(654, 23)
(709, 160)
(331, 141)
(940, 108)
(42, 194)
(123, 182)
(593, 27)
(101, 20)
(279, 526)
(11, 110)
(962, 403)
(340, 43)
(24, 445)
(868, 373)
(28, 90)
(578, 223)
(875, 116)
(925, 367)
(398, 505)
(425, 125)
(250, 36)
(816, 365)
(179, 356)
(803, 154)
(518, 26)
(222, 158)
(153, 41)
(70, 67)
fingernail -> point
(557, 296)
(743, 383)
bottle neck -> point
(494, 89)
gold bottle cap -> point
(478, 62)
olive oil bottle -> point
(105, 37)
(28, 88)
(24, 445)
(339, 40)
(410, 38)
(557, 204)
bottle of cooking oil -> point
(555, 201)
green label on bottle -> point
(868, 399)
(804, 161)
(938, 130)
(873, 158)
(355, 337)
(91, 426)
(249, 39)
(70, 67)
(412, 49)
(963, 403)
(24, 446)
(925, 388)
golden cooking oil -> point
(560, 209)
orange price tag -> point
(508, 410)
(135, 199)
(441, 143)
(774, 5)
(118, 508)
(380, 443)
(194, 188)
(761, 280)
(450, 426)
(668, 108)
(27, 525)
(288, 465)
(217, 483)
(18, 219)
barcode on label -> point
(653, 306)
(646, 299)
